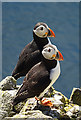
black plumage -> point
(41, 76)
(36, 80)
(31, 54)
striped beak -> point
(50, 33)
(59, 56)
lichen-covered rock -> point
(23, 118)
(32, 110)
(3, 114)
(76, 96)
(19, 106)
(5, 103)
(31, 114)
(8, 83)
(6, 107)
(72, 110)
(8, 90)
(31, 105)
(62, 109)
(57, 95)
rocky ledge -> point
(62, 109)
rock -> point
(9, 83)
(57, 95)
(76, 96)
(31, 106)
(72, 110)
(31, 114)
(8, 89)
(6, 98)
(19, 106)
(5, 103)
(62, 109)
(23, 118)
(3, 114)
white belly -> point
(54, 74)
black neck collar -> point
(50, 64)
(41, 42)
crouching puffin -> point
(41, 76)
(31, 54)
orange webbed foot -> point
(45, 102)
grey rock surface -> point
(62, 109)
(5, 103)
(9, 83)
(76, 96)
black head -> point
(42, 30)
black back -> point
(36, 80)
(29, 56)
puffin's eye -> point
(49, 50)
(41, 28)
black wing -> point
(35, 82)
(28, 58)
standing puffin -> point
(41, 76)
(31, 54)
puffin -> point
(31, 54)
(41, 76)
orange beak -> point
(51, 33)
(60, 58)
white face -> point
(50, 52)
(41, 31)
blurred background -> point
(18, 21)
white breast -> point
(49, 41)
(54, 74)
